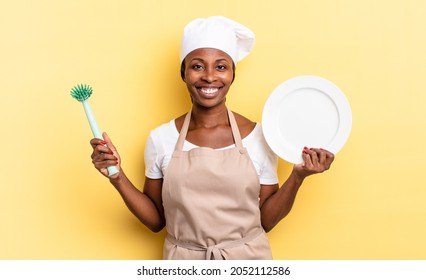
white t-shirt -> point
(162, 140)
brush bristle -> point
(81, 92)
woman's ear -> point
(182, 70)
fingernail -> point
(103, 142)
(311, 149)
(305, 148)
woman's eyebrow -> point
(202, 60)
(196, 58)
(222, 59)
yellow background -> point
(54, 204)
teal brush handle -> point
(96, 131)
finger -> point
(111, 147)
(103, 169)
(326, 158)
(99, 150)
(313, 155)
(102, 157)
(103, 163)
(96, 141)
(322, 156)
(108, 142)
(330, 159)
(307, 158)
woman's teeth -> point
(209, 90)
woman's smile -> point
(209, 91)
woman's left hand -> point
(315, 161)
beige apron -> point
(211, 203)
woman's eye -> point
(221, 67)
(197, 67)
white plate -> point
(306, 111)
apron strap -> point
(235, 130)
(232, 122)
(183, 132)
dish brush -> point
(82, 94)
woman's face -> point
(208, 75)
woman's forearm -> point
(140, 204)
(278, 205)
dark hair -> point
(182, 71)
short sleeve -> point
(264, 160)
(152, 165)
(268, 175)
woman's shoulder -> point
(164, 130)
(245, 125)
(178, 122)
(162, 139)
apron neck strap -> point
(235, 130)
(232, 122)
(183, 132)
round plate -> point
(306, 111)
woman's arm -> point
(276, 203)
(147, 206)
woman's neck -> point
(209, 117)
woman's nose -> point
(209, 75)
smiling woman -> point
(211, 179)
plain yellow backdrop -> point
(55, 205)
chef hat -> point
(220, 33)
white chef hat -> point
(220, 33)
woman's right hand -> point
(105, 154)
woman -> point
(210, 176)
